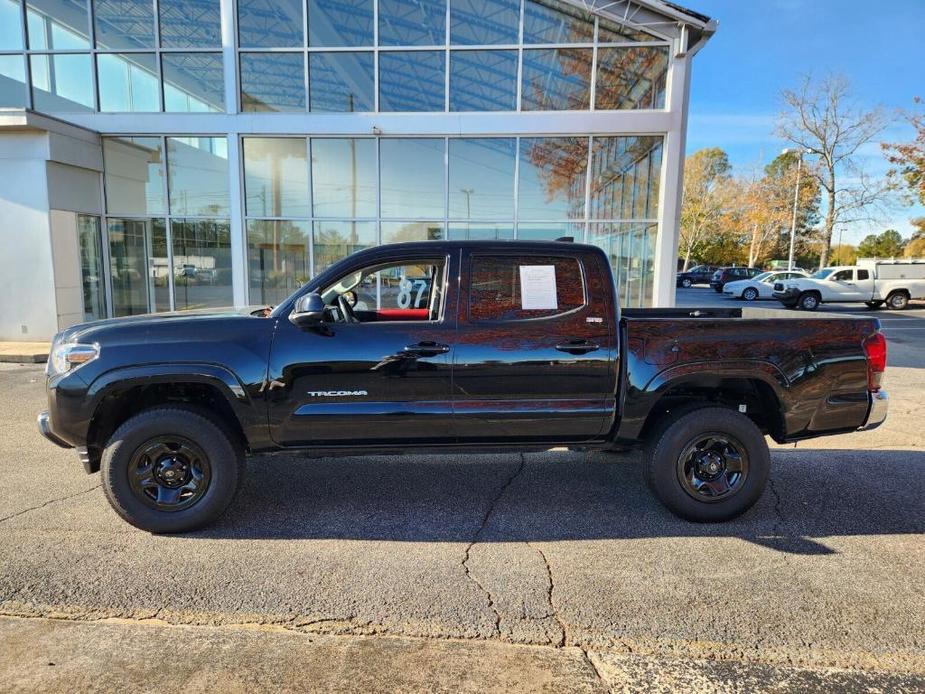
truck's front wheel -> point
(171, 469)
(708, 464)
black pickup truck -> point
(442, 346)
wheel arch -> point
(759, 386)
(122, 393)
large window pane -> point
(270, 23)
(62, 82)
(334, 23)
(134, 175)
(539, 231)
(412, 22)
(552, 21)
(484, 22)
(10, 26)
(91, 267)
(190, 23)
(201, 263)
(197, 173)
(193, 82)
(344, 177)
(553, 171)
(624, 177)
(272, 82)
(411, 81)
(609, 31)
(400, 232)
(631, 250)
(58, 24)
(276, 177)
(482, 178)
(481, 231)
(12, 81)
(127, 82)
(124, 23)
(631, 77)
(412, 177)
(138, 266)
(483, 80)
(556, 79)
(336, 240)
(277, 259)
(341, 82)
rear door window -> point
(863, 275)
(522, 287)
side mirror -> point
(308, 311)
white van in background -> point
(872, 282)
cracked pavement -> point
(565, 552)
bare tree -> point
(821, 118)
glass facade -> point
(197, 218)
(121, 56)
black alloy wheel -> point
(169, 473)
(712, 467)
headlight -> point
(70, 356)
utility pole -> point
(796, 205)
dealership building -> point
(160, 155)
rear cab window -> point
(524, 287)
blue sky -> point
(764, 46)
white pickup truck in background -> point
(873, 282)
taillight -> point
(875, 351)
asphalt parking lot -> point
(560, 553)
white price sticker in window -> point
(538, 287)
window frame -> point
(403, 260)
(513, 253)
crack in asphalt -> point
(778, 529)
(553, 610)
(478, 534)
(593, 665)
(48, 503)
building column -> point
(672, 184)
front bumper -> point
(879, 404)
(44, 423)
(787, 296)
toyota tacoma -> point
(445, 346)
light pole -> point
(796, 202)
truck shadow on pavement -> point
(812, 494)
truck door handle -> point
(426, 349)
(578, 347)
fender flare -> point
(635, 416)
(219, 377)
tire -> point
(873, 305)
(669, 463)
(182, 443)
(719, 288)
(809, 301)
(686, 283)
(750, 294)
(897, 301)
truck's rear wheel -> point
(171, 469)
(809, 301)
(897, 300)
(708, 464)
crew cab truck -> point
(872, 282)
(447, 346)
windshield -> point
(763, 276)
(823, 273)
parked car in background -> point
(873, 282)
(699, 274)
(760, 286)
(725, 275)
